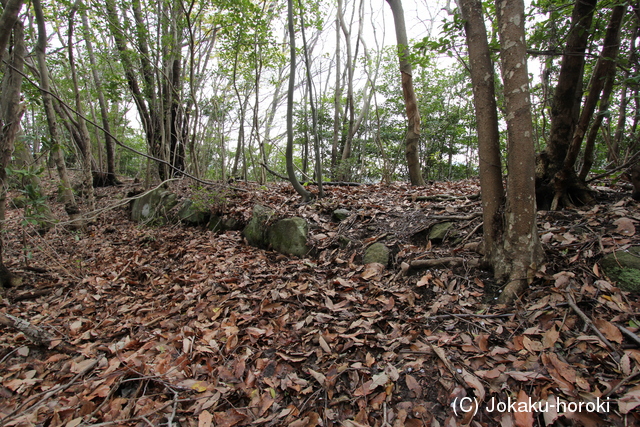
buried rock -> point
(256, 231)
(194, 213)
(153, 205)
(623, 267)
(376, 253)
(289, 236)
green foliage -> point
(36, 210)
(209, 199)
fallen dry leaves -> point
(173, 325)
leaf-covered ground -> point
(175, 325)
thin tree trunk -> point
(84, 140)
(109, 143)
(292, 84)
(567, 179)
(412, 138)
(484, 99)
(67, 195)
(589, 146)
(613, 152)
(337, 101)
(312, 104)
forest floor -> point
(176, 325)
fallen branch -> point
(46, 395)
(478, 316)
(33, 333)
(443, 198)
(335, 183)
(447, 262)
(629, 334)
(30, 295)
(588, 322)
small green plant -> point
(36, 210)
(209, 199)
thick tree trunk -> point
(11, 110)
(566, 180)
(522, 250)
(412, 138)
(510, 237)
(565, 108)
(482, 79)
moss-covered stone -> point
(439, 231)
(623, 267)
(193, 213)
(289, 236)
(341, 214)
(378, 253)
(153, 205)
(256, 231)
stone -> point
(378, 253)
(341, 214)
(439, 231)
(219, 223)
(193, 213)
(153, 205)
(623, 267)
(289, 236)
(256, 231)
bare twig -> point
(49, 393)
(589, 323)
(629, 334)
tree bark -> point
(482, 79)
(565, 108)
(522, 250)
(109, 143)
(412, 138)
(83, 140)
(11, 110)
(511, 241)
(306, 195)
(7, 20)
(67, 194)
(566, 181)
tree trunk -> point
(566, 181)
(521, 248)
(337, 99)
(412, 138)
(482, 79)
(109, 143)
(11, 110)
(312, 105)
(565, 108)
(67, 195)
(511, 241)
(292, 84)
(7, 20)
(590, 143)
(84, 140)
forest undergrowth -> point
(158, 325)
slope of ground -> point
(174, 325)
